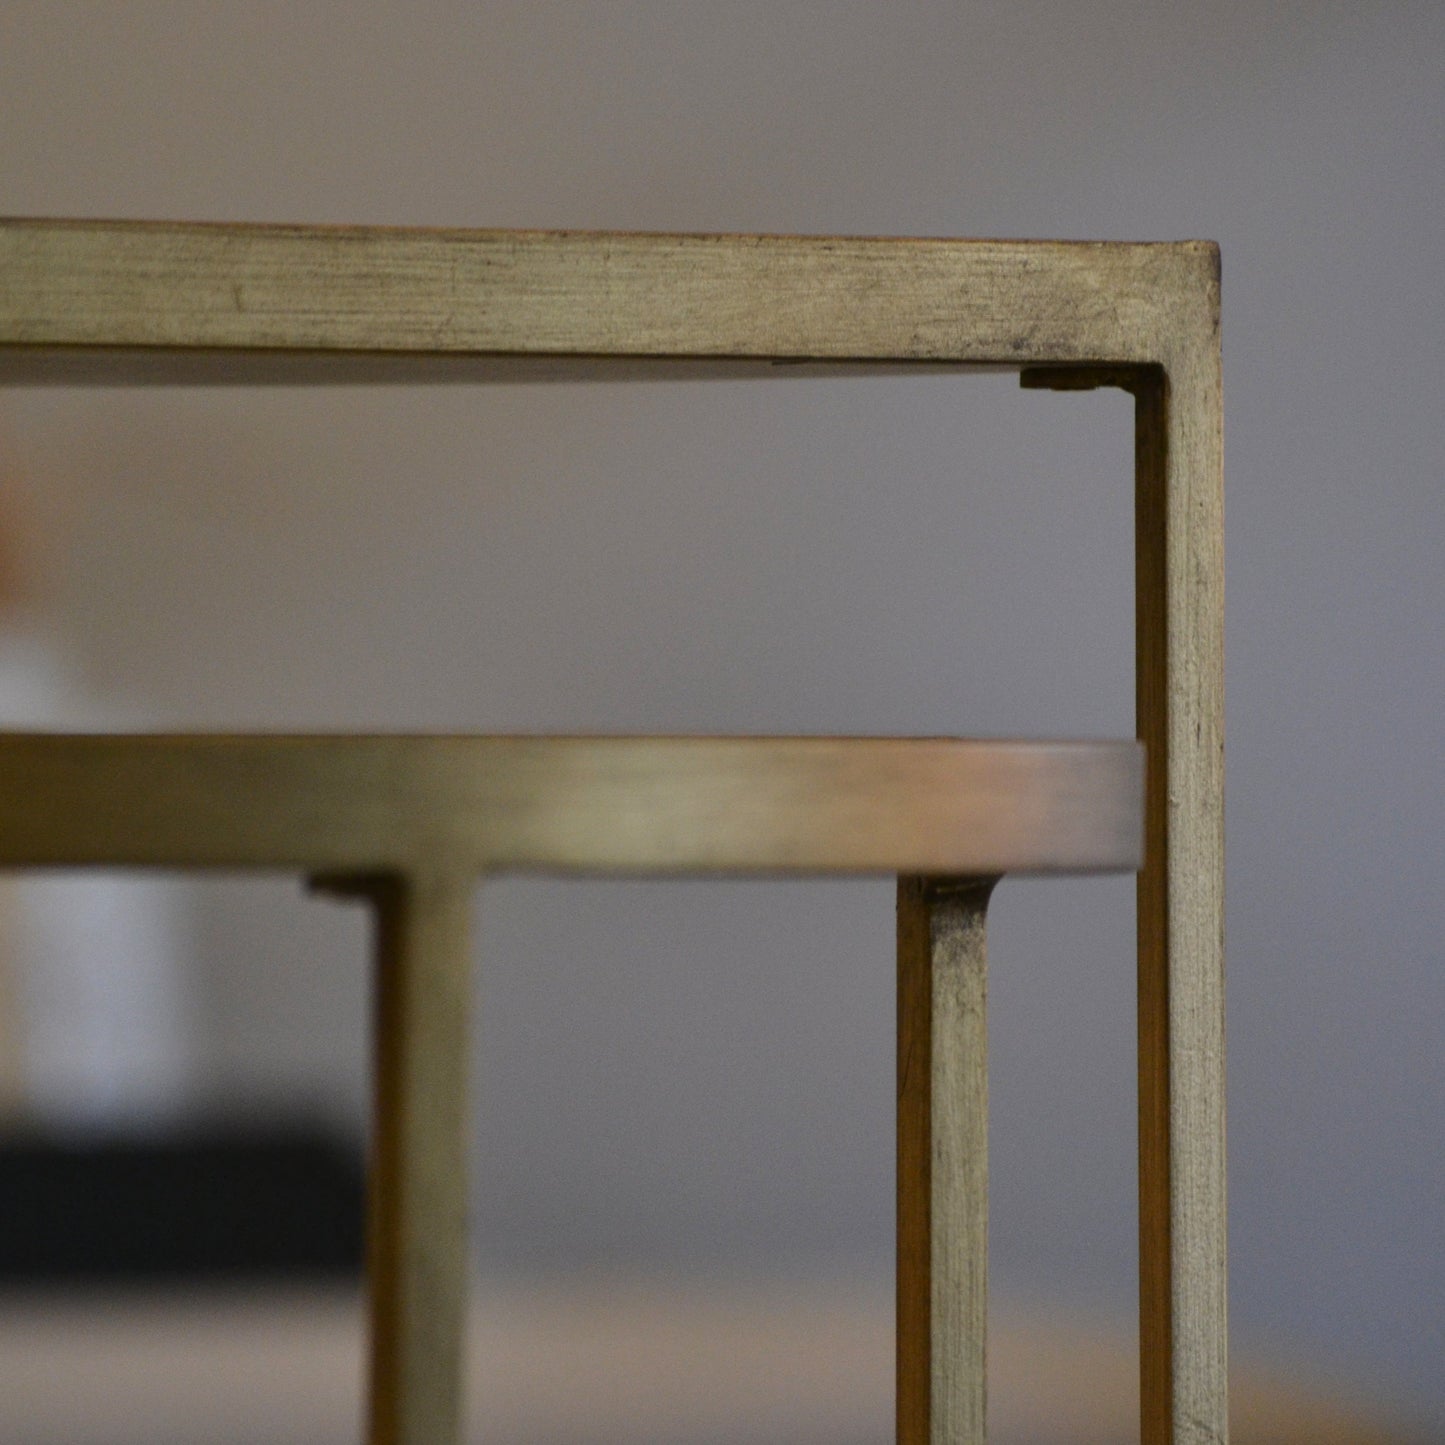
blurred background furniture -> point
(601, 1362)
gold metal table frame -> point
(126, 302)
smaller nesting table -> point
(408, 824)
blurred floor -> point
(587, 1363)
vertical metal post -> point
(942, 1265)
(417, 1194)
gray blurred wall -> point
(689, 1077)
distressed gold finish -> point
(361, 805)
(134, 303)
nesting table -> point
(407, 824)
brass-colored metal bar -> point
(417, 1182)
(942, 1266)
(664, 806)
